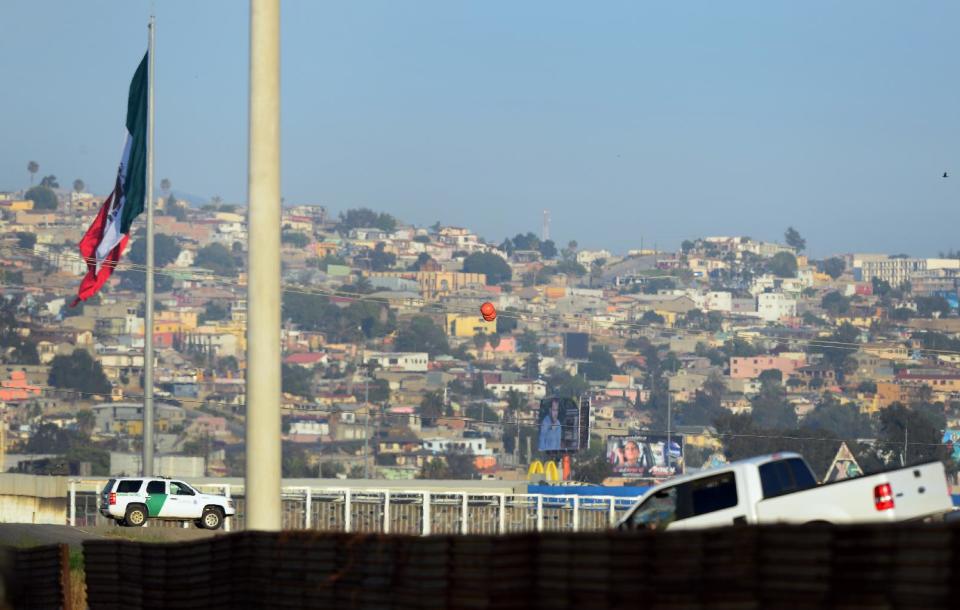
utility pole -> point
(906, 436)
(666, 449)
(148, 443)
(263, 492)
(366, 426)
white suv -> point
(131, 501)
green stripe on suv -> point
(155, 503)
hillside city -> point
(733, 345)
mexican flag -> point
(107, 237)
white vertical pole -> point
(427, 526)
(503, 514)
(263, 282)
(226, 493)
(386, 512)
(464, 512)
(347, 512)
(576, 513)
(307, 514)
(613, 511)
(148, 310)
(539, 512)
(73, 501)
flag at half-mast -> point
(105, 240)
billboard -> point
(563, 425)
(576, 346)
(951, 438)
(645, 455)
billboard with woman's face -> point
(559, 422)
(645, 455)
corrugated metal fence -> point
(881, 566)
(37, 577)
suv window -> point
(713, 493)
(129, 487)
(785, 476)
(180, 489)
(156, 487)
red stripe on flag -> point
(93, 281)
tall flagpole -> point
(263, 510)
(148, 322)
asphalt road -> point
(28, 534)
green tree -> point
(481, 412)
(507, 321)
(835, 303)
(26, 240)
(600, 365)
(362, 218)
(380, 260)
(496, 269)
(43, 198)
(213, 312)
(531, 366)
(295, 239)
(792, 236)
(771, 409)
(651, 317)
(834, 267)
(166, 249)
(50, 182)
(432, 407)
(528, 342)
(217, 258)
(86, 421)
(783, 264)
(844, 421)
(78, 372)
(297, 380)
(33, 167)
(422, 335)
(936, 306)
(548, 249)
(78, 185)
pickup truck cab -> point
(781, 488)
(131, 501)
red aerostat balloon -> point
(488, 311)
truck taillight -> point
(883, 497)
(113, 498)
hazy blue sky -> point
(627, 119)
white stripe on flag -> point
(111, 232)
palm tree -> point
(165, 186)
(33, 167)
(78, 185)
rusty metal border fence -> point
(37, 577)
(776, 567)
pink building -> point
(17, 388)
(751, 367)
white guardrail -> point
(410, 511)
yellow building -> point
(435, 284)
(669, 317)
(187, 319)
(18, 205)
(461, 325)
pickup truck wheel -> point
(136, 515)
(212, 518)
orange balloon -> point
(488, 311)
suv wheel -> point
(212, 518)
(136, 515)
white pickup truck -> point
(781, 488)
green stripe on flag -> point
(134, 187)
